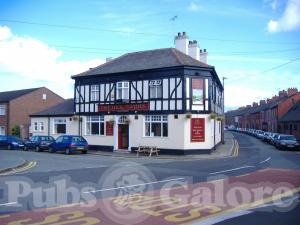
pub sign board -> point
(197, 129)
(124, 107)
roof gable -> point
(293, 114)
(145, 60)
(64, 108)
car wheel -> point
(50, 150)
(9, 147)
(84, 151)
(37, 149)
(67, 151)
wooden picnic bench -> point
(147, 150)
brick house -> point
(265, 115)
(290, 122)
(16, 106)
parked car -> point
(259, 134)
(287, 142)
(69, 144)
(39, 143)
(11, 142)
(266, 136)
(273, 138)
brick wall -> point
(22, 107)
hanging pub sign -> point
(124, 107)
(109, 128)
(197, 129)
(197, 91)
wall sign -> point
(124, 107)
(109, 128)
(197, 91)
(154, 82)
(197, 130)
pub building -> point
(161, 97)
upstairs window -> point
(94, 92)
(2, 110)
(123, 90)
(155, 89)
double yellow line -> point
(28, 166)
(236, 148)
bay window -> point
(94, 125)
(156, 126)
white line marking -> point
(266, 160)
(9, 203)
(134, 185)
(243, 167)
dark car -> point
(10, 142)
(287, 142)
(69, 144)
(39, 143)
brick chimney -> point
(282, 94)
(248, 106)
(292, 91)
(254, 104)
(262, 102)
(182, 42)
(269, 100)
(274, 98)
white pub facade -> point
(162, 97)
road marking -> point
(239, 168)
(251, 205)
(266, 160)
(134, 185)
(8, 203)
(27, 167)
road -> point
(260, 185)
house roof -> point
(292, 115)
(145, 60)
(65, 108)
(7, 96)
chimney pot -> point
(183, 33)
(204, 50)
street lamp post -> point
(223, 110)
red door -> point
(123, 136)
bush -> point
(15, 130)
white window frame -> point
(2, 130)
(95, 89)
(41, 126)
(2, 110)
(154, 91)
(35, 126)
(57, 121)
(94, 119)
(124, 87)
(162, 119)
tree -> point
(15, 130)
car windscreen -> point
(47, 138)
(288, 138)
(78, 139)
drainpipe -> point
(48, 126)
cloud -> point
(194, 6)
(30, 59)
(289, 21)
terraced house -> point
(161, 97)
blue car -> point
(11, 142)
(39, 143)
(69, 144)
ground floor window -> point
(156, 126)
(35, 126)
(41, 126)
(60, 126)
(2, 130)
(94, 125)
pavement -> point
(9, 161)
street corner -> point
(12, 165)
